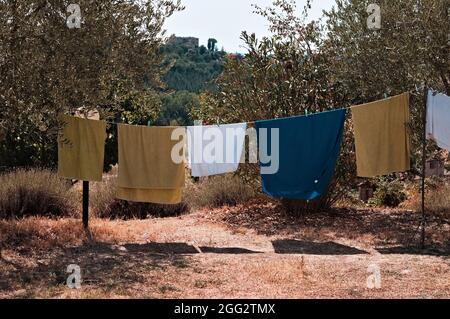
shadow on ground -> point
(160, 248)
(435, 250)
(289, 246)
(184, 249)
(227, 250)
(107, 266)
(111, 267)
(384, 227)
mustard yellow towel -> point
(81, 148)
(147, 172)
(381, 136)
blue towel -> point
(309, 147)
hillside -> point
(192, 69)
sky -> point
(224, 20)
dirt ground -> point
(236, 252)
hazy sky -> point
(224, 20)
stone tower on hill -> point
(187, 42)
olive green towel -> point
(381, 136)
(81, 148)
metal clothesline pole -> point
(424, 159)
(85, 205)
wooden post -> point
(86, 204)
(424, 160)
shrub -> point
(437, 197)
(388, 193)
(105, 204)
(210, 192)
(35, 193)
(438, 201)
(218, 191)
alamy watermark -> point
(74, 19)
(74, 279)
(215, 145)
(374, 18)
(374, 278)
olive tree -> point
(408, 49)
(283, 75)
(59, 56)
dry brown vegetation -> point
(217, 191)
(245, 251)
(437, 200)
(207, 192)
(34, 192)
(229, 242)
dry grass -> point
(250, 248)
(37, 233)
(35, 193)
(437, 199)
(218, 191)
(105, 204)
(369, 226)
(251, 251)
(26, 193)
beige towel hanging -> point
(147, 172)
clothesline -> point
(251, 123)
(376, 153)
(149, 173)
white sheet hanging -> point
(438, 119)
(215, 149)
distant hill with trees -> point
(191, 70)
(193, 67)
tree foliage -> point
(311, 67)
(284, 75)
(411, 49)
(176, 108)
(47, 68)
(192, 69)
